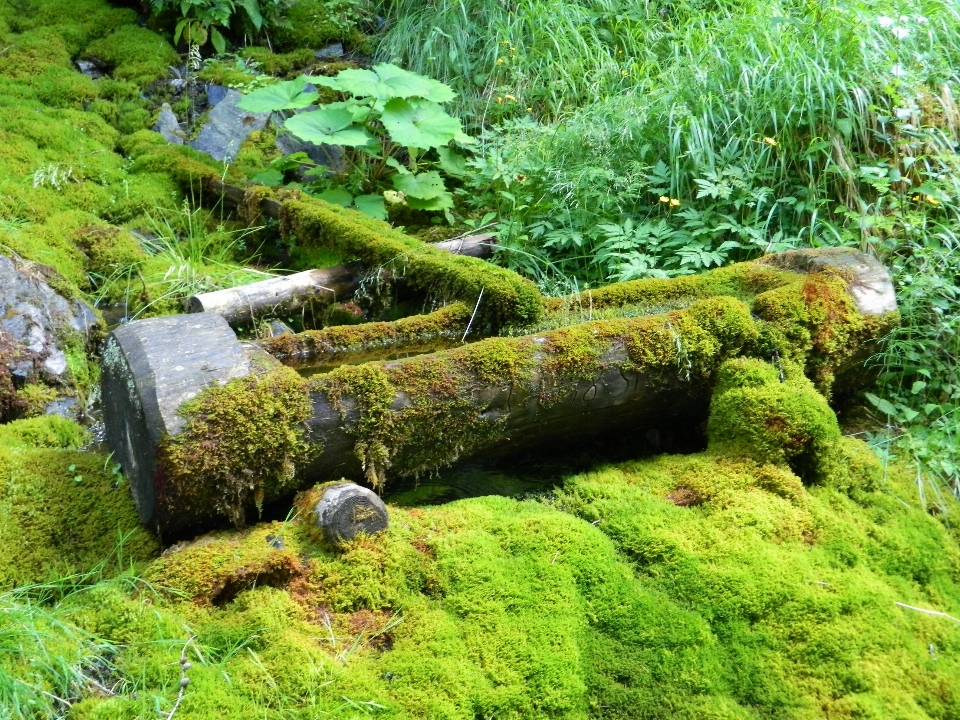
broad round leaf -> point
(336, 196)
(287, 95)
(386, 82)
(331, 126)
(419, 123)
(444, 201)
(371, 205)
(424, 186)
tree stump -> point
(345, 510)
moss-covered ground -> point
(784, 572)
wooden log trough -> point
(207, 427)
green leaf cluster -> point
(388, 115)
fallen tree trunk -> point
(267, 431)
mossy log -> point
(262, 436)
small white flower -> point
(897, 70)
(885, 21)
(900, 32)
(920, 19)
(904, 113)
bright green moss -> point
(507, 298)
(33, 53)
(786, 422)
(136, 54)
(55, 520)
(282, 65)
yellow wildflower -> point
(529, 109)
(509, 97)
(499, 61)
(674, 202)
(770, 141)
(499, 100)
(664, 199)
(624, 73)
(931, 199)
(513, 49)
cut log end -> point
(345, 510)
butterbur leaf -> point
(419, 124)
(372, 205)
(360, 111)
(453, 163)
(287, 95)
(423, 186)
(333, 126)
(443, 201)
(385, 82)
(336, 196)
(270, 177)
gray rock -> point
(34, 322)
(215, 94)
(168, 126)
(226, 128)
(330, 52)
(345, 510)
(89, 68)
(67, 407)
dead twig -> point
(928, 612)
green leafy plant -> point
(391, 125)
(203, 20)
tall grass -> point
(635, 140)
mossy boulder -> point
(773, 415)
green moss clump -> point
(814, 321)
(754, 414)
(240, 447)
(283, 65)
(310, 24)
(216, 568)
(136, 54)
(62, 511)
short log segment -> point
(345, 510)
(262, 436)
(150, 369)
(279, 296)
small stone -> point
(168, 126)
(330, 52)
(89, 68)
(345, 510)
(64, 407)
